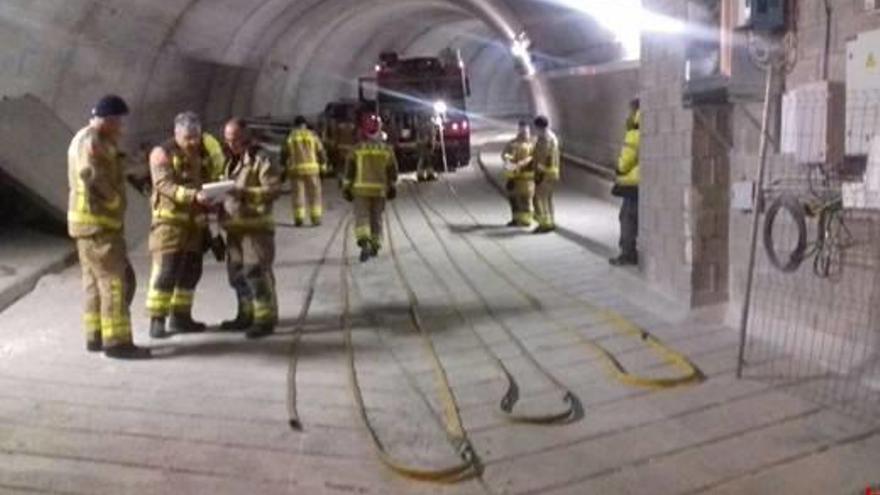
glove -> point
(392, 193)
(509, 186)
(346, 193)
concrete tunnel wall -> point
(225, 57)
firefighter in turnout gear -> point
(303, 155)
(370, 179)
(250, 231)
(546, 165)
(177, 237)
(426, 139)
(520, 175)
(95, 218)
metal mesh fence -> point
(815, 308)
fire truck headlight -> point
(455, 126)
(440, 107)
(464, 125)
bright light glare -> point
(440, 107)
(627, 19)
(520, 48)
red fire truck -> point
(407, 92)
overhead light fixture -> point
(440, 108)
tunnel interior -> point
(279, 58)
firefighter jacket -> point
(546, 157)
(303, 153)
(518, 154)
(370, 170)
(175, 186)
(628, 163)
(97, 185)
(259, 183)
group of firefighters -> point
(188, 170)
(531, 169)
(183, 170)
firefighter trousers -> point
(425, 168)
(307, 198)
(173, 283)
(368, 219)
(544, 213)
(249, 260)
(522, 197)
(109, 285)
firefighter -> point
(545, 163)
(250, 231)
(626, 186)
(370, 179)
(303, 155)
(95, 220)
(177, 236)
(426, 139)
(518, 171)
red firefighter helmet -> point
(371, 125)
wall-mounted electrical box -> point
(813, 123)
(862, 92)
(760, 15)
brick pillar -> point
(685, 176)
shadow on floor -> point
(391, 319)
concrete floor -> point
(209, 415)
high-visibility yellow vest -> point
(98, 205)
(306, 153)
(628, 173)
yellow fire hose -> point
(469, 466)
(573, 410)
(690, 372)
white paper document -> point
(216, 190)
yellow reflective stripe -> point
(316, 211)
(92, 322)
(309, 168)
(182, 298)
(362, 232)
(164, 214)
(246, 307)
(90, 219)
(158, 300)
(263, 311)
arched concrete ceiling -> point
(258, 56)
(255, 57)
